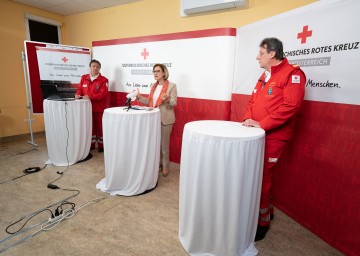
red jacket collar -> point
(87, 77)
(282, 64)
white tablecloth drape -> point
(220, 184)
(131, 150)
(68, 127)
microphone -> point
(130, 97)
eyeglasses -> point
(156, 71)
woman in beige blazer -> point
(163, 95)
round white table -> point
(220, 184)
(131, 150)
(68, 126)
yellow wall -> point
(152, 17)
(13, 108)
(146, 17)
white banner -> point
(323, 38)
(62, 63)
(201, 66)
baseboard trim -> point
(25, 136)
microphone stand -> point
(129, 106)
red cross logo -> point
(304, 34)
(64, 59)
(145, 54)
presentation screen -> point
(61, 65)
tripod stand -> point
(128, 106)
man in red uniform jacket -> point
(94, 87)
(274, 103)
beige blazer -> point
(166, 108)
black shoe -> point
(101, 150)
(261, 232)
(271, 216)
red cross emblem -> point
(145, 54)
(64, 59)
(304, 34)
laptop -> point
(57, 90)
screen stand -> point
(28, 103)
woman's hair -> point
(163, 68)
(275, 45)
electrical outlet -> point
(55, 219)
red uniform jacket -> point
(97, 90)
(274, 106)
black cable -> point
(20, 153)
(75, 190)
(66, 148)
(51, 185)
(27, 171)
(59, 210)
(11, 233)
(67, 140)
(39, 211)
(2, 182)
(31, 170)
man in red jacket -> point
(274, 103)
(94, 87)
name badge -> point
(84, 85)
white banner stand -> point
(28, 102)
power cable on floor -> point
(26, 171)
(50, 184)
(20, 153)
(59, 215)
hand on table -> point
(251, 123)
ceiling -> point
(69, 7)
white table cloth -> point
(68, 127)
(220, 184)
(131, 150)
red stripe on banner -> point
(317, 179)
(60, 50)
(167, 37)
(238, 106)
(34, 76)
(187, 110)
(117, 99)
